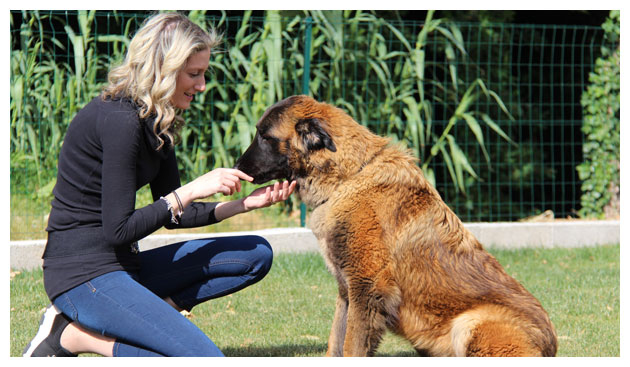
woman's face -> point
(190, 79)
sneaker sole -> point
(45, 325)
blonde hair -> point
(155, 56)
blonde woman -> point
(107, 297)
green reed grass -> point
(374, 68)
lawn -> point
(290, 311)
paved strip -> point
(26, 255)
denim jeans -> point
(130, 307)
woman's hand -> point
(226, 181)
(269, 195)
(259, 198)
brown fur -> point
(401, 257)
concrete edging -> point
(26, 255)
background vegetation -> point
(490, 109)
(602, 161)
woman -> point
(107, 297)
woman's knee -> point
(263, 256)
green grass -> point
(290, 311)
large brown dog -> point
(402, 258)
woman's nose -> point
(200, 84)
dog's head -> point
(287, 135)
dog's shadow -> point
(295, 350)
(283, 350)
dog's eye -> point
(267, 138)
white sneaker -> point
(47, 341)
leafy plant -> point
(383, 87)
(376, 69)
(45, 93)
(601, 101)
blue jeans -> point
(130, 307)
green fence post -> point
(305, 89)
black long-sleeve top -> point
(107, 155)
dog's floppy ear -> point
(314, 135)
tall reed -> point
(378, 70)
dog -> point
(402, 259)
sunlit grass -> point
(290, 311)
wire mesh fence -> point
(492, 111)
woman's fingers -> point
(281, 191)
(231, 179)
(269, 195)
(287, 189)
(240, 174)
(275, 193)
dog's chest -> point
(320, 230)
(318, 225)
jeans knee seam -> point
(186, 301)
(217, 263)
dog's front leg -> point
(338, 330)
(358, 330)
(372, 304)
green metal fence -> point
(445, 89)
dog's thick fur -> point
(401, 257)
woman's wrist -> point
(186, 194)
(227, 209)
(175, 216)
(178, 200)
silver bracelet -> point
(179, 204)
(169, 206)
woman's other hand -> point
(269, 195)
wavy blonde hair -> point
(155, 56)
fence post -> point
(305, 88)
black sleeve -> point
(122, 223)
(197, 214)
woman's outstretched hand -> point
(269, 195)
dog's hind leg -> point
(338, 330)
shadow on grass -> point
(285, 350)
(295, 350)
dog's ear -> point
(314, 135)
